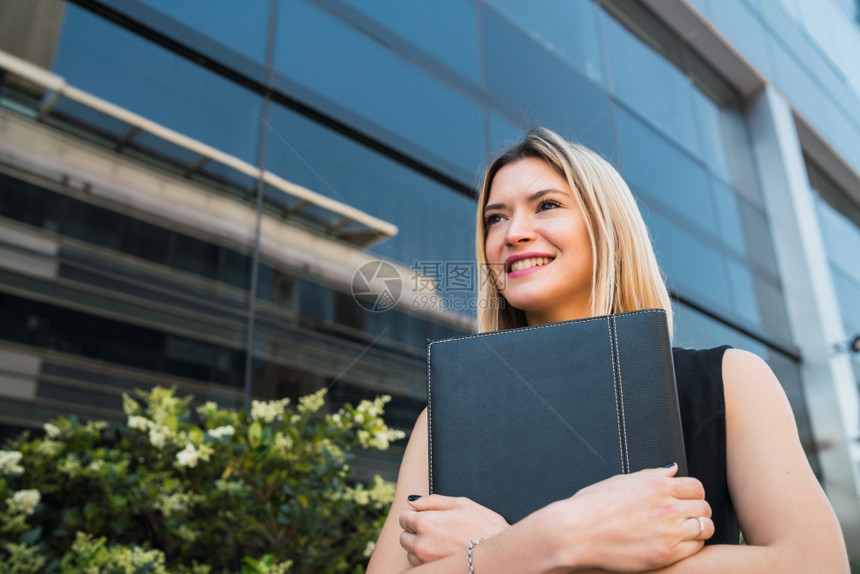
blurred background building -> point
(191, 192)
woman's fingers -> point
(406, 521)
(699, 528)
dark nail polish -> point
(670, 465)
(413, 497)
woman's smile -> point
(525, 263)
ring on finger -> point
(701, 526)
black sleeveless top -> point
(699, 375)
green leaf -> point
(31, 536)
(255, 432)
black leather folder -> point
(523, 417)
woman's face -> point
(537, 243)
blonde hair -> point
(625, 274)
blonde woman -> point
(562, 237)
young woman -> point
(563, 239)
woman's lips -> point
(528, 265)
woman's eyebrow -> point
(536, 195)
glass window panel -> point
(743, 291)
(28, 203)
(796, 83)
(502, 132)
(240, 25)
(728, 217)
(435, 223)
(772, 306)
(841, 240)
(741, 25)
(195, 256)
(714, 150)
(157, 84)
(848, 296)
(757, 232)
(361, 75)
(147, 241)
(651, 85)
(235, 268)
(691, 265)
(447, 30)
(698, 331)
(315, 299)
(656, 167)
(738, 149)
(566, 29)
(540, 90)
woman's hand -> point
(438, 526)
(634, 522)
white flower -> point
(9, 460)
(50, 447)
(53, 431)
(268, 411)
(313, 402)
(222, 431)
(24, 501)
(157, 437)
(138, 422)
(190, 455)
(187, 456)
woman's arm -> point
(787, 521)
(414, 478)
(627, 522)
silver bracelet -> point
(472, 544)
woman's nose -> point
(519, 230)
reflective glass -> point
(796, 83)
(501, 133)
(698, 331)
(240, 25)
(693, 267)
(743, 28)
(563, 28)
(757, 233)
(434, 222)
(848, 295)
(651, 85)
(744, 300)
(157, 84)
(358, 74)
(538, 89)
(772, 306)
(315, 299)
(731, 231)
(841, 239)
(448, 30)
(654, 166)
(714, 152)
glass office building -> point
(192, 193)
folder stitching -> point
(625, 448)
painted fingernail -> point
(413, 497)
(670, 465)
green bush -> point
(195, 490)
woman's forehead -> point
(524, 179)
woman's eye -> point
(548, 204)
(491, 219)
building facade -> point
(259, 199)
